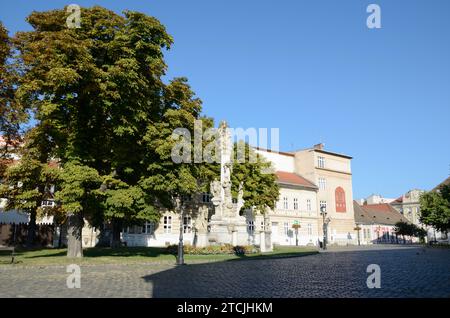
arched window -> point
(340, 200)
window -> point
(285, 203)
(148, 228)
(409, 211)
(250, 227)
(286, 229)
(167, 224)
(323, 204)
(187, 224)
(186, 198)
(340, 200)
(321, 162)
(309, 229)
(295, 203)
(308, 205)
(322, 183)
(206, 197)
(133, 229)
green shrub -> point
(213, 250)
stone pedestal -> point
(262, 241)
(269, 243)
(265, 241)
(201, 240)
(228, 231)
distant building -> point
(409, 205)
(377, 223)
(375, 199)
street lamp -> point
(358, 228)
(296, 226)
(180, 254)
(323, 212)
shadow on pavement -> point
(405, 272)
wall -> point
(279, 161)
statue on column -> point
(226, 225)
(221, 190)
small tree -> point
(261, 190)
(410, 229)
(29, 182)
(435, 208)
(402, 228)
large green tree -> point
(98, 99)
(96, 89)
(435, 208)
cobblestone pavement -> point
(405, 272)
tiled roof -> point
(445, 182)
(290, 178)
(382, 213)
(398, 200)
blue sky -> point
(314, 70)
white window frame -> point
(308, 205)
(187, 224)
(322, 183)
(286, 229)
(295, 203)
(206, 197)
(309, 229)
(148, 228)
(251, 226)
(167, 221)
(320, 161)
(285, 203)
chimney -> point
(319, 146)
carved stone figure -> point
(216, 189)
(201, 222)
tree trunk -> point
(116, 229)
(60, 238)
(75, 224)
(31, 234)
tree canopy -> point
(100, 108)
(435, 208)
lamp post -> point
(323, 212)
(358, 228)
(296, 226)
(180, 254)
